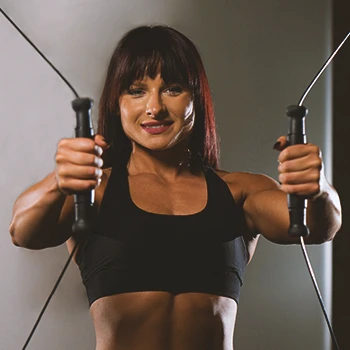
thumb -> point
(281, 143)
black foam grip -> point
(297, 204)
(83, 202)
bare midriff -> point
(163, 321)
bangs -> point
(155, 53)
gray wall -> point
(260, 56)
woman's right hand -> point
(79, 164)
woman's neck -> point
(166, 164)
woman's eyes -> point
(174, 90)
(170, 90)
(135, 92)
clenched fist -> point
(79, 164)
(300, 168)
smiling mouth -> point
(156, 125)
(156, 128)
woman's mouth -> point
(156, 127)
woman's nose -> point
(155, 105)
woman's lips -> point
(156, 128)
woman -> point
(164, 262)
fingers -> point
(71, 186)
(79, 163)
(77, 157)
(299, 151)
(300, 168)
(68, 170)
(309, 190)
(299, 177)
(300, 162)
(80, 144)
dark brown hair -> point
(147, 51)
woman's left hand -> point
(300, 168)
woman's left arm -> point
(301, 173)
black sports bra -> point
(132, 250)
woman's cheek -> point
(126, 125)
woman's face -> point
(155, 115)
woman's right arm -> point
(43, 214)
(39, 220)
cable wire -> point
(313, 278)
(50, 297)
(329, 60)
(319, 296)
(76, 245)
(39, 52)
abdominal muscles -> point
(163, 321)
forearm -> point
(324, 216)
(36, 215)
(267, 213)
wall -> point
(341, 88)
(260, 56)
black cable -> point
(76, 245)
(39, 52)
(50, 296)
(313, 278)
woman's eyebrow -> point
(143, 84)
(138, 83)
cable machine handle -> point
(84, 201)
(297, 204)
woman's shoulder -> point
(242, 176)
(248, 182)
